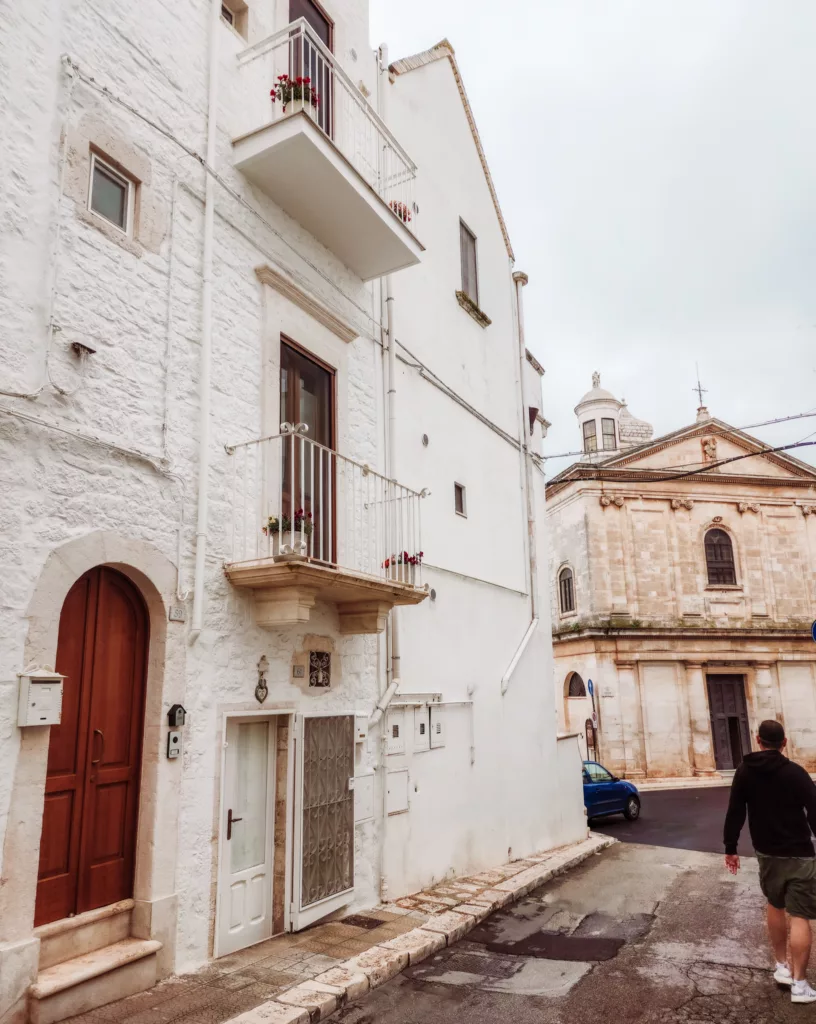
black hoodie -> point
(781, 800)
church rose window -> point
(719, 554)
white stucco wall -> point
(139, 306)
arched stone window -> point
(566, 591)
(719, 553)
(576, 686)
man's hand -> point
(732, 862)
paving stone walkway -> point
(295, 979)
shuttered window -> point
(566, 591)
(470, 281)
(719, 554)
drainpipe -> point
(520, 279)
(205, 361)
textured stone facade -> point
(649, 627)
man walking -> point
(781, 802)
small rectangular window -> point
(470, 281)
(459, 503)
(110, 194)
(608, 430)
(590, 436)
(235, 13)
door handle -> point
(230, 822)
(101, 735)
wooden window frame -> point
(464, 230)
(720, 567)
(239, 16)
(593, 435)
(457, 490)
(569, 590)
(604, 435)
(576, 696)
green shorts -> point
(789, 883)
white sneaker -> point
(782, 975)
(801, 992)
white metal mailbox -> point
(437, 726)
(40, 700)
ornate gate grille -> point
(328, 808)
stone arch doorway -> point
(88, 842)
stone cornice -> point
(682, 632)
(308, 303)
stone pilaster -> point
(702, 744)
(631, 715)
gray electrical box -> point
(40, 700)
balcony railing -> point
(335, 105)
(294, 500)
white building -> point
(188, 263)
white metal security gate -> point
(323, 878)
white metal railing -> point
(332, 101)
(293, 498)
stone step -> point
(93, 979)
(73, 936)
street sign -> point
(591, 688)
(813, 631)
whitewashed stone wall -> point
(138, 304)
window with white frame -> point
(111, 195)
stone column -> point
(631, 720)
(702, 745)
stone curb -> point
(319, 998)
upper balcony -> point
(308, 139)
(309, 524)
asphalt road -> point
(652, 934)
(685, 819)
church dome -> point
(597, 394)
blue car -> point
(605, 793)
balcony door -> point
(309, 471)
(309, 62)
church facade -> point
(683, 575)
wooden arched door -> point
(87, 849)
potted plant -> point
(401, 210)
(286, 541)
(402, 567)
(288, 90)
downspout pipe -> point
(205, 359)
(520, 280)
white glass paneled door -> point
(247, 830)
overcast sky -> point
(656, 164)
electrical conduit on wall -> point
(520, 279)
(206, 329)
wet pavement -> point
(642, 933)
(687, 819)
